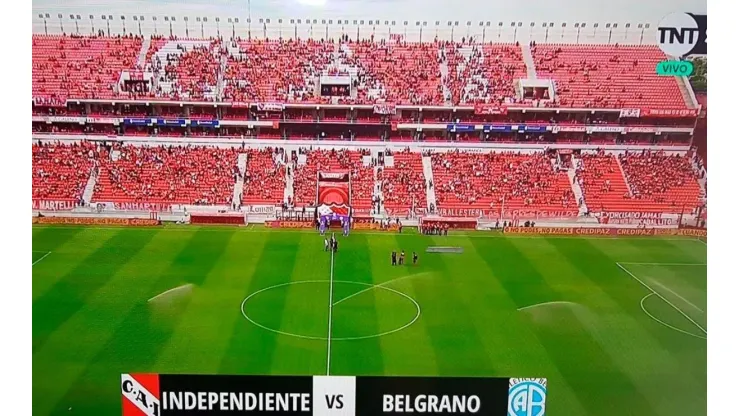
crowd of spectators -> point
(660, 178)
(404, 186)
(613, 76)
(60, 171)
(488, 180)
(167, 174)
(193, 71)
(276, 70)
(264, 180)
(80, 66)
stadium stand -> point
(661, 182)
(604, 187)
(264, 180)
(80, 67)
(403, 184)
(599, 76)
(60, 171)
(487, 181)
(166, 175)
(292, 65)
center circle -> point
(366, 287)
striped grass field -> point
(617, 326)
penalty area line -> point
(42, 257)
(662, 297)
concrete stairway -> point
(378, 191)
(444, 70)
(141, 60)
(241, 164)
(527, 55)
(577, 191)
(426, 163)
(288, 192)
(624, 176)
(90, 186)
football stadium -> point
(369, 209)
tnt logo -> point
(681, 34)
(527, 396)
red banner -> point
(490, 109)
(670, 112)
(142, 206)
(605, 231)
(385, 108)
(95, 221)
(277, 107)
(629, 112)
(289, 224)
(44, 205)
(50, 102)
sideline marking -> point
(555, 302)
(642, 305)
(664, 299)
(42, 257)
(663, 264)
(331, 308)
(478, 234)
(701, 241)
(290, 334)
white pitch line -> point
(378, 285)
(664, 299)
(642, 305)
(663, 264)
(331, 308)
(679, 296)
(42, 257)
(556, 302)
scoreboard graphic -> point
(166, 394)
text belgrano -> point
(224, 401)
(430, 404)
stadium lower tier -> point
(398, 182)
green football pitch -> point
(617, 326)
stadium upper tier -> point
(453, 182)
(308, 71)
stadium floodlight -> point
(197, 18)
(292, 21)
(72, 17)
(78, 17)
(500, 24)
(456, 22)
(424, 23)
(261, 20)
(46, 15)
(393, 22)
(136, 18)
(354, 22)
(41, 16)
(436, 23)
(628, 25)
(519, 24)
(563, 25)
(386, 23)
(205, 19)
(377, 22)
(468, 24)
(331, 22)
(236, 20)
(362, 22)
(314, 21)
(596, 25)
(614, 25)
(323, 21)
(639, 26)
(513, 24)
(449, 23)
(544, 24)
(185, 18)
(346, 22)
(608, 25)
(488, 23)
(166, 19)
(405, 22)
(172, 19)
